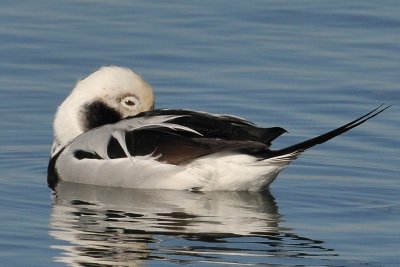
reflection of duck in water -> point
(97, 141)
(114, 226)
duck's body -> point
(106, 133)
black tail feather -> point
(300, 147)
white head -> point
(105, 96)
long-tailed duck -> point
(108, 133)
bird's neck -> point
(67, 125)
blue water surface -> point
(308, 66)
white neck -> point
(67, 122)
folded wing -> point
(174, 136)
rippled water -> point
(114, 226)
(308, 66)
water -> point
(308, 66)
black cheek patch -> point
(97, 114)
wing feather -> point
(96, 140)
(173, 138)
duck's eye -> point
(129, 102)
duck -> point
(107, 132)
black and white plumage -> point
(107, 133)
